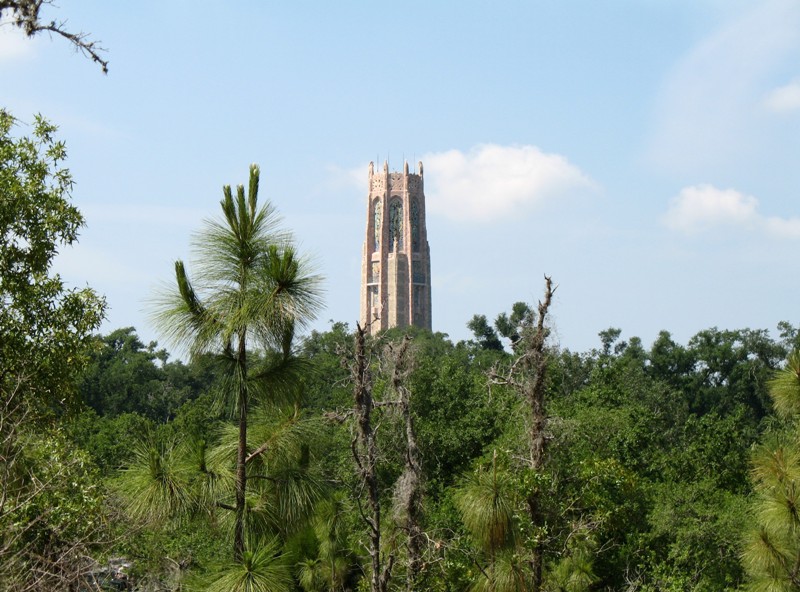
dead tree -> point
(397, 361)
(408, 489)
(527, 377)
(25, 14)
(365, 453)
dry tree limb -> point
(25, 14)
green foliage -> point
(457, 415)
(330, 565)
(125, 376)
(511, 326)
(697, 526)
(575, 571)
(609, 338)
(155, 485)
(176, 490)
(51, 514)
(45, 328)
(772, 547)
(110, 441)
(644, 487)
(262, 570)
(50, 510)
(505, 325)
(252, 292)
(325, 381)
(660, 480)
(785, 388)
(509, 572)
(733, 367)
(283, 484)
(487, 505)
(485, 335)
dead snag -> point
(527, 377)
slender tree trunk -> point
(535, 369)
(365, 454)
(241, 452)
(411, 494)
(414, 505)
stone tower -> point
(396, 263)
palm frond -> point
(155, 487)
(508, 573)
(212, 482)
(784, 388)
(309, 575)
(262, 570)
(282, 490)
(764, 556)
(779, 511)
(574, 572)
(330, 523)
(486, 504)
(277, 379)
(287, 289)
(775, 462)
(288, 498)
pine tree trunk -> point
(241, 453)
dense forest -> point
(274, 459)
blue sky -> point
(643, 153)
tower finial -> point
(420, 167)
(385, 166)
(371, 168)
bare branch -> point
(25, 14)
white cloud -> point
(782, 228)
(703, 208)
(491, 182)
(708, 110)
(784, 98)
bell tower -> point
(396, 262)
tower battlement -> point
(394, 180)
(395, 270)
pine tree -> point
(252, 291)
(771, 554)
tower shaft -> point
(396, 264)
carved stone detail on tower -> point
(396, 264)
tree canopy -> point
(49, 494)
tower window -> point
(396, 224)
(377, 224)
(419, 298)
(415, 225)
